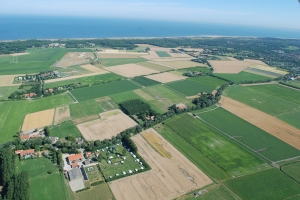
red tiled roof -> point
(26, 136)
(25, 152)
(74, 165)
(74, 157)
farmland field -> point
(97, 192)
(267, 184)
(162, 54)
(6, 91)
(154, 66)
(179, 64)
(209, 81)
(125, 96)
(96, 91)
(213, 192)
(119, 61)
(276, 100)
(227, 154)
(38, 120)
(61, 114)
(198, 69)
(243, 76)
(292, 170)
(257, 139)
(166, 77)
(107, 104)
(189, 88)
(64, 129)
(131, 70)
(84, 109)
(230, 67)
(145, 81)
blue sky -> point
(266, 13)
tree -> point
(37, 148)
(124, 152)
(47, 131)
(72, 138)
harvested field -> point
(168, 178)
(61, 114)
(93, 68)
(85, 119)
(166, 77)
(110, 124)
(268, 69)
(7, 80)
(268, 123)
(173, 59)
(151, 55)
(178, 64)
(38, 119)
(117, 55)
(231, 58)
(259, 62)
(144, 95)
(131, 70)
(74, 58)
(231, 67)
(154, 66)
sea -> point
(42, 27)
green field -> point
(88, 80)
(273, 99)
(145, 81)
(224, 152)
(6, 91)
(97, 91)
(119, 61)
(162, 54)
(189, 88)
(125, 96)
(292, 170)
(65, 129)
(267, 184)
(214, 192)
(243, 76)
(255, 138)
(42, 184)
(108, 104)
(98, 192)
(155, 66)
(294, 83)
(12, 113)
(194, 155)
(85, 108)
(209, 81)
(38, 60)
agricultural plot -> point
(272, 125)
(6, 91)
(125, 96)
(168, 178)
(267, 184)
(166, 77)
(227, 154)
(84, 109)
(144, 95)
(7, 80)
(211, 193)
(118, 55)
(189, 88)
(258, 140)
(269, 69)
(209, 81)
(64, 129)
(154, 66)
(106, 126)
(97, 91)
(243, 76)
(228, 67)
(107, 104)
(179, 64)
(293, 170)
(162, 54)
(38, 120)
(130, 70)
(276, 100)
(145, 81)
(258, 62)
(98, 192)
(75, 58)
(192, 69)
(61, 114)
(135, 106)
(119, 61)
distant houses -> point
(26, 153)
(31, 134)
(75, 158)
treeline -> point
(129, 143)
(15, 185)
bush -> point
(97, 183)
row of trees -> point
(134, 106)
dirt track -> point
(168, 178)
(268, 123)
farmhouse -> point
(74, 158)
(180, 106)
(25, 153)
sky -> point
(264, 13)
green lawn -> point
(276, 100)
(119, 61)
(94, 174)
(257, 139)
(267, 184)
(65, 129)
(89, 80)
(224, 152)
(98, 192)
(97, 91)
(292, 170)
(155, 66)
(145, 81)
(85, 108)
(6, 91)
(194, 155)
(243, 76)
(162, 54)
(189, 88)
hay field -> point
(93, 68)
(179, 64)
(173, 59)
(151, 55)
(229, 67)
(7, 80)
(258, 62)
(168, 178)
(110, 124)
(166, 77)
(268, 69)
(131, 70)
(154, 66)
(74, 58)
(268, 123)
(61, 114)
(38, 119)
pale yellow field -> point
(74, 58)
(143, 94)
(93, 69)
(259, 62)
(110, 124)
(38, 119)
(268, 69)
(166, 77)
(131, 70)
(7, 80)
(230, 67)
(179, 64)
(61, 114)
(151, 55)
(171, 175)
